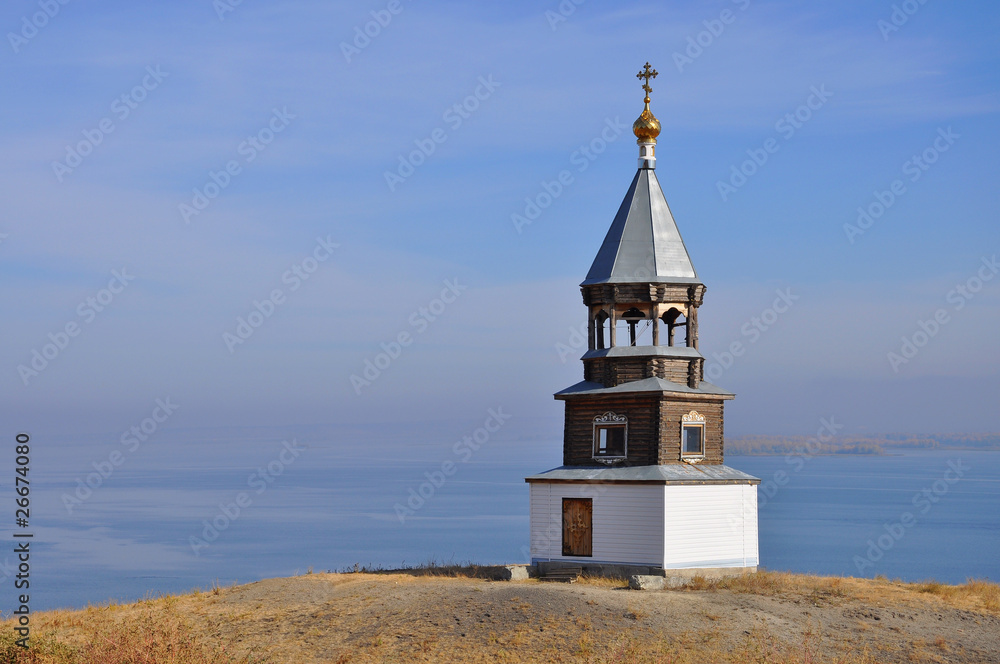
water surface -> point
(327, 510)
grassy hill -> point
(450, 615)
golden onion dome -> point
(646, 128)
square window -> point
(693, 439)
(609, 440)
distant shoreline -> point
(896, 452)
(878, 445)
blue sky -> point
(553, 87)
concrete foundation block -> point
(516, 572)
(677, 578)
(646, 582)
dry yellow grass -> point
(447, 616)
(974, 594)
(153, 632)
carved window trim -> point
(610, 421)
(693, 421)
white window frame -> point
(693, 420)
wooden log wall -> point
(615, 371)
(654, 428)
(601, 294)
(670, 414)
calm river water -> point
(915, 516)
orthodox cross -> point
(647, 73)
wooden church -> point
(643, 481)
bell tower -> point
(643, 415)
(641, 294)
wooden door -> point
(578, 527)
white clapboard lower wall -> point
(668, 526)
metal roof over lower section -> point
(653, 385)
(674, 473)
(643, 244)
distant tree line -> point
(878, 444)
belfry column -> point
(655, 322)
(692, 319)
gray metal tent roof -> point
(675, 473)
(653, 384)
(643, 244)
